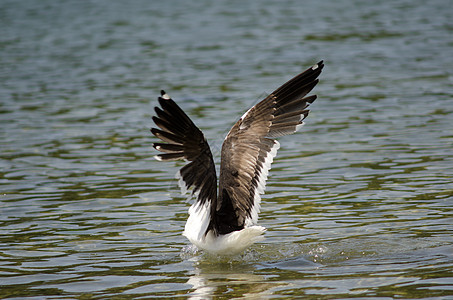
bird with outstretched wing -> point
(223, 220)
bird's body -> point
(223, 220)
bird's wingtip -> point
(164, 95)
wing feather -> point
(249, 149)
(167, 137)
(184, 140)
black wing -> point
(249, 149)
(185, 141)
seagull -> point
(224, 220)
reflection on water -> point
(242, 273)
(359, 204)
(207, 282)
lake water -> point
(358, 204)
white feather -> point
(231, 243)
(261, 185)
(197, 223)
(227, 244)
(246, 113)
(181, 183)
(299, 126)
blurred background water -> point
(358, 204)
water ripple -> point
(359, 204)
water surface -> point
(358, 204)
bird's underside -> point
(246, 156)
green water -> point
(358, 204)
